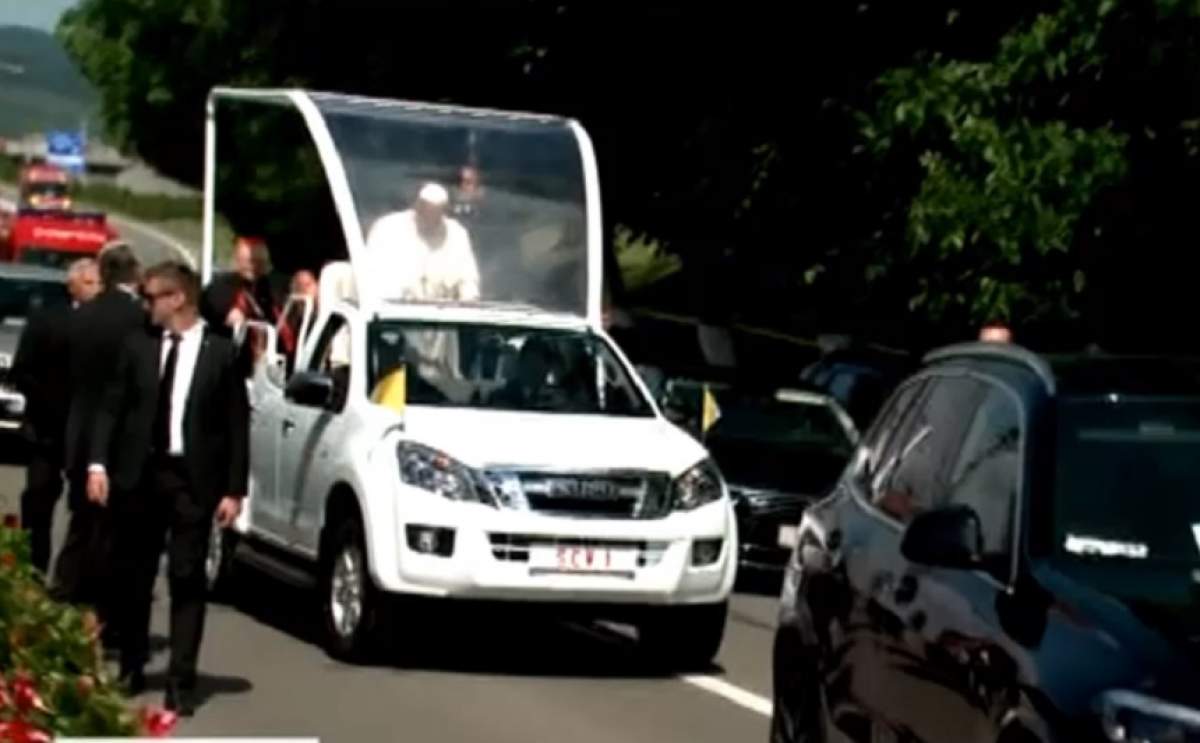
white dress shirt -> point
(185, 368)
(414, 269)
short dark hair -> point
(118, 265)
(179, 275)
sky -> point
(41, 14)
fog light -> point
(706, 551)
(431, 540)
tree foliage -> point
(899, 170)
(1005, 180)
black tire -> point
(220, 568)
(348, 640)
(686, 638)
(798, 713)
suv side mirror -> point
(311, 389)
(949, 537)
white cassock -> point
(409, 268)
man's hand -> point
(228, 510)
(97, 488)
(235, 318)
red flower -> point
(85, 685)
(26, 695)
(158, 723)
(8, 559)
(19, 731)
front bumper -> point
(759, 529)
(493, 559)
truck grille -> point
(613, 495)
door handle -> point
(288, 427)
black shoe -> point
(133, 680)
(179, 700)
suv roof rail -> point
(1005, 351)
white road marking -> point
(735, 694)
(606, 632)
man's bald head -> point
(304, 283)
(251, 258)
(83, 280)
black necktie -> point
(166, 385)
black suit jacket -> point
(216, 418)
(97, 332)
(41, 372)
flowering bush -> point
(52, 676)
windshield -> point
(789, 447)
(459, 207)
(19, 298)
(504, 368)
(1126, 481)
(50, 191)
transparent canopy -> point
(441, 204)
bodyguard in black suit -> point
(83, 571)
(171, 445)
(41, 372)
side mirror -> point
(948, 537)
(311, 389)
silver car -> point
(24, 290)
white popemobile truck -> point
(499, 447)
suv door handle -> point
(288, 427)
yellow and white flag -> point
(711, 411)
(392, 390)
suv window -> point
(332, 358)
(915, 472)
(882, 431)
(987, 472)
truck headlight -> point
(436, 472)
(696, 487)
(1130, 717)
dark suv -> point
(1013, 555)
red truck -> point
(44, 187)
(43, 228)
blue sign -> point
(66, 150)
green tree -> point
(1004, 176)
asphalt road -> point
(476, 678)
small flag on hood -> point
(392, 390)
(711, 411)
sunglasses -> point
(151, 297)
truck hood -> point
(485, 438)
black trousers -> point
(83, 573)
(43, 488)
(164, 512)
